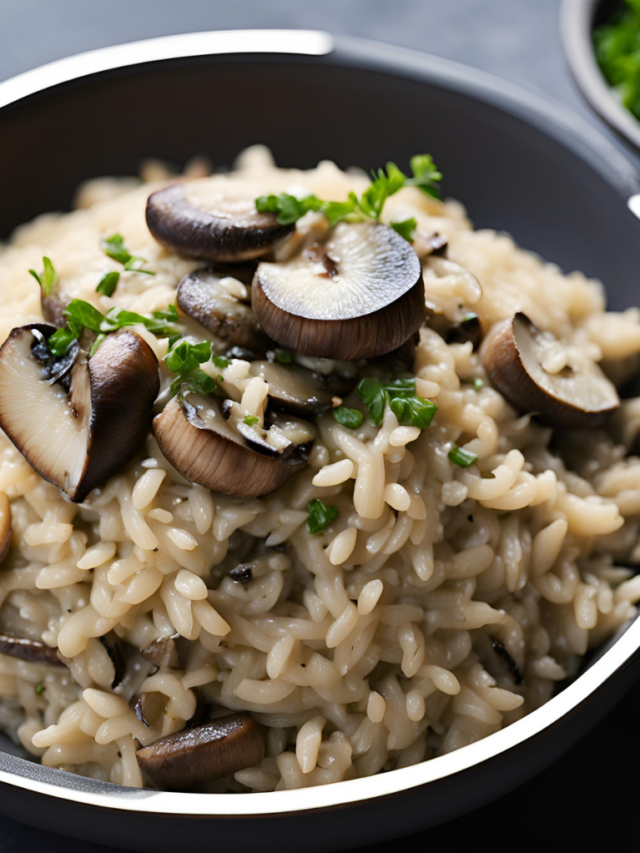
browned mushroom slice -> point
(165, 652)
(30, 650)
(214, 219)
(195, 437)
(5, 525)
(190, 758)
(517, 357)
(53, 307)
(293, 388)
(76, 420)
(222, 309)
(359, 295)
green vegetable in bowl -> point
(617, 47)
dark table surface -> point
(586, 798)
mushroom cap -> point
(87, 434)
(214, 219)
(203, 753)
(199, 443)
(202, 295)
(571, 398)
(359, 295)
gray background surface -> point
(586, 799)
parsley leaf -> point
(250, 420)
(320, 516)
(426, 175)
(478, 383)
(61, 340)
(617, 49)
(108, 283)
(410, 409)
(406, 228)
(350, 418)
(115, 248)
(386, 182)
(288, 207)
(184, 359)
(220, 361)
(461, 457)
(39, 688)
(48, 278)
(283, 356)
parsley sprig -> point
(617, 48)
(401, 396)
(48, 278)
(320, 516)
(184, 359)
(82, 315)
(461, 457)
(386, 182)
(115, 248)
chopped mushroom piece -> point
(193, 756)
(150, 707)
(165, 653)
(517, 358)
(293, 388)
(195, 437)
(5, 525)
(29, 650)
(359, 295)
(53, 307)
(214, 219)
(97, 410)
(221, 305)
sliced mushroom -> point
(5, 525)
(76, 420)
(214, 219)
(221, 305)
(293, 388)
(165, 652)
(193, 756)
(195, 437)
(29, 650)
(577, 395)
(359, 295)
(149, 707)
(53, 307)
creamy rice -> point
(367, 647)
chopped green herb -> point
(81, 315)
(184, 359)
(108, 283)
(410, 409)
(39, 688)
(617, 48)
(320, 516)
(288, 207)
(220, 361)
(115, 248)
(478, 383)
(461, 457)
(386, 182)
(350, 418)
(250, 420)
(48, 278)
(406, 228)
(283, 356)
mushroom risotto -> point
(302, 478)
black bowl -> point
(579, 17)
(518, 162)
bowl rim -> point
(587, 143)
(576, 26)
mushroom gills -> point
(201, 443)
(219, 300)
(359, 295)
(577, 394)
(96, 411)
(33, 651)
(214, 219)
(194, 756)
